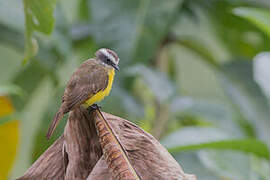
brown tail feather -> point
(54, 123)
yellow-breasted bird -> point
(90, 83)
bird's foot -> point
(93, 108)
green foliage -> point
(227, 164)
(246, 145)
(257, 16)
(197, 65)
(209, 138)
(261, 66)
(159, 84)
(154, 22)
(248, 97)
(11, 89)
(237, 81)
(38, 17)
(200, 49)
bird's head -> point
(108, 58)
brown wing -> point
(87, 80)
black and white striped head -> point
(108, 57)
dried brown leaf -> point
(114, 154)
(78, 155)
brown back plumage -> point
(88, 79)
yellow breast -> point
(101, 94)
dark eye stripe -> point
(113, 54)
(106, 60)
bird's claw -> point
(93, 108)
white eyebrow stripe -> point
(104, 51)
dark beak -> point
(116, 67)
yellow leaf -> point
(6, 107)
(9, 137)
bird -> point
(89, 84)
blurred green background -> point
(194, 73)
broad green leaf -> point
(28, 79)
(246, 145)
(11, 89)
(261, 167)
(237, 80)
(40, 14)
(38, 17)
(12, 48)
(158, 82)
(133, 28)
(84, 9)
(261, 68)
(240, 38)
(154, 21)
(235, 165)
(190, 163)
(31, 119)
(200, 49)
(238, 83)
(258, 16)
(202, 138)
(214, 112)
(11, 14)
(227, 164)
(9, 65)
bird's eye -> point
(108, 60)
